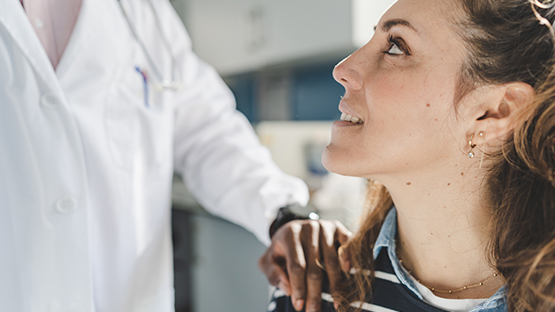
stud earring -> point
(472, 146)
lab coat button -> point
(66, 204)
(50, 100)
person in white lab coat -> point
(88, 147)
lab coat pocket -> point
(137, 123)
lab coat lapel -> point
(82, 36)
(15, 21)
(89, 39)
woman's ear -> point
(498, 118)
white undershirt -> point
(454, 305)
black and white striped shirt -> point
(388, 294)
(392, 289)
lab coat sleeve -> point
(217, 152)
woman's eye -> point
(394, 50)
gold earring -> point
(472, 146)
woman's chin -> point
(336, 163)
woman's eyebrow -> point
(387, 25)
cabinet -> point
(238, 36)
(215, 261)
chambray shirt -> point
(386, 239)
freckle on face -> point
(428, 105)
(408, 183)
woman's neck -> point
(443, 232)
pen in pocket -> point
(145, 84)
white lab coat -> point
(86, 167)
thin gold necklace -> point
(450, 291)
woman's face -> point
(401, 85)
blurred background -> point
(277, 57)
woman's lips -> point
(347, 114)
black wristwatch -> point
(285, 215)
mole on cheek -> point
(428, 105)
(408, 183)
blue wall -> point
(314, 94)
(244, 89)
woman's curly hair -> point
(507, 41)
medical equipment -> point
(162, 83)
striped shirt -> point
(392, 288)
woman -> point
(450, 106)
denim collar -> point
(386, 239)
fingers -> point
(342, 236)
(330, 256)
(302, 256)
(333, 235)
(300, 253)
(314, 273)
(284, 252)
(293, 246)
(272, 266)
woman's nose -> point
(347, 74)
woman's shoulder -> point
(388, 294)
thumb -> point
(343, 254)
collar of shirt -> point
(386, 239)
